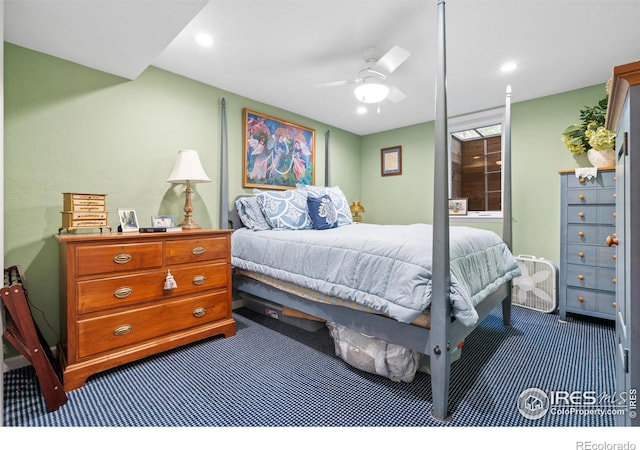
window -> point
(475, 147)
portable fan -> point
(537, 287)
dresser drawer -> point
(603, 179)
(581, 299)
(118, 258)
(606, 303)
(128, 290)
(115, 292)
(582, 276)
(194, 279)
(607, 195)
(606, 279)
(589, 234)
(606, 256)
(116, 331)
(582, 254)
(194, 250)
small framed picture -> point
(162, 221)
(458, 206)
(128, 219)
(391, 161)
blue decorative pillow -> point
(323, 213)
(284, 210)
(250, 214)
(337, 197)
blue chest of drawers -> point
(587, 263)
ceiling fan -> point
(371, 83)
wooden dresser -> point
(587, 264)
(115, 305)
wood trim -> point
(623, 77)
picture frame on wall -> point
(458, 206)
(128, 220)
(391, 161)
(277, 154)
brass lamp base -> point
(188, 223)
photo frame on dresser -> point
(128, 220)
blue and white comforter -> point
(384, 267)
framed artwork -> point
(128, 219)
(391, 161)
(162, 221)
(458, 206)
(276, 154)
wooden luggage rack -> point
(23, 333)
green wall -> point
(73, 129)
(537, 156)
(69, 128)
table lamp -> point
(356, 209)
(188, 170)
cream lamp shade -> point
(188, 169)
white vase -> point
(602, 158)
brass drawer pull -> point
(581, 197)
(122, 330)
(123, 292)
(197, 251)
(581, 233)
(580, 214)
(580, 277)
(614, 281)
(581, 299)
(199, 279)
(614, 304)
(122, 258)
(199, 311)
(581, 254)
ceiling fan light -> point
(372, 92)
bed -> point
(426, 297)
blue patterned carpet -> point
(278, 376)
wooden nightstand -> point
(114, 305)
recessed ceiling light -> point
(204, 39)
(361, 110)
(509, 67)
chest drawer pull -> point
(581, 299)
(581, 254)
(122, 329)
(122, 258)
(580, 277)
(123, 292)
(197, 251)
(581, 233)
(581, 197)
(580, 214)
(199, 312)
(199, 279)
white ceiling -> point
(277, 51)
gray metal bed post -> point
(224, 182)
(327, 171)
(506, 195)
(440, 358)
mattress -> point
(385, 268)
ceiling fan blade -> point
(396, 95)
(393, 58)
(336, 83)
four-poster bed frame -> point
(440, 340)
